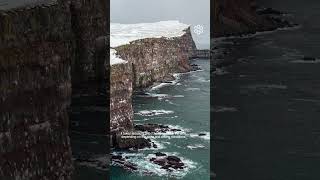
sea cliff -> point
(46, 48)
(147, 61)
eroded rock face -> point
(90, 28)
(35, 84)
(121, 98)
(154, 59)
(238, 17)
(148, 61)
(39, 48)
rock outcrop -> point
(149, 61)
(238, 17)
(40, 45)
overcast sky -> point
(191, 12)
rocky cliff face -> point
(237, 17)
(149, 61)
(35, 83)
(38, 45)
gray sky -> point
(191, 12)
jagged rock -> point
(173, 159)
(160, 154)
(168, 162)
(153, 128)
(131, 143)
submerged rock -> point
(160, 154)
(169, 163)
(154, 128)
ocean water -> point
(267, 106)
(184, 104)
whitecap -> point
(195, 146)
(206, 135)
(161, 85)
(154, 112)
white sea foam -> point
(161, 96)
(178, 174)
(205, 137)
(201, 79)
(195, 146)
(146, 167)
(161, 85)
(154, 112)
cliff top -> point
(14, 4)
(121, 34)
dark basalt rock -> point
(154, 145)
(120, 161)
(195, 67)
(132, 143)
(154, 128)
(169, 163)
(168, 79)
(173, 159)
(160, 154)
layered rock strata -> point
(147, 61)
(40, 45)
(35, 83)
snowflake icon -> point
(198, 29)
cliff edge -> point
(141, 60)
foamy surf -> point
(154, 112)
(201, 135)
(145, 167)
(196, 146)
